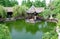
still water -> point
(20, 29)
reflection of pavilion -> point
(33, 12)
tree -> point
(56, 5)
(13, 3)
(37, 3)
(8, 3)
(29, 3)
(24, 2)
(19, 10)
(2, 12)
(44, 3)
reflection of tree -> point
(50, 26)
(33, 29)
(9, 24)
(19, 25)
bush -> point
(4, 32)
(50, 35)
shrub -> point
(4, 32)
(50, 35)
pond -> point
(20, 29)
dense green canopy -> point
(37, 3)
(8, 3)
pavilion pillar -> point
(35, 17)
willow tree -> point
(2, 12)
(19, 10)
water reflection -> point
(22, 30)
(26, 35)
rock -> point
(32, 21)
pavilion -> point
(34, 11)
(9, 11)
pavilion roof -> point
(33, 9)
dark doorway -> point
(0, 16)
(9, 14)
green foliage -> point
(46, 13)
(13, 3)
(19, 10)
(50, 35)
(56, 5)
(2, 12)
(23, 2)
(8, 3)
(37, 3)
(58, 17)
(28, 3)
(4, 32)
